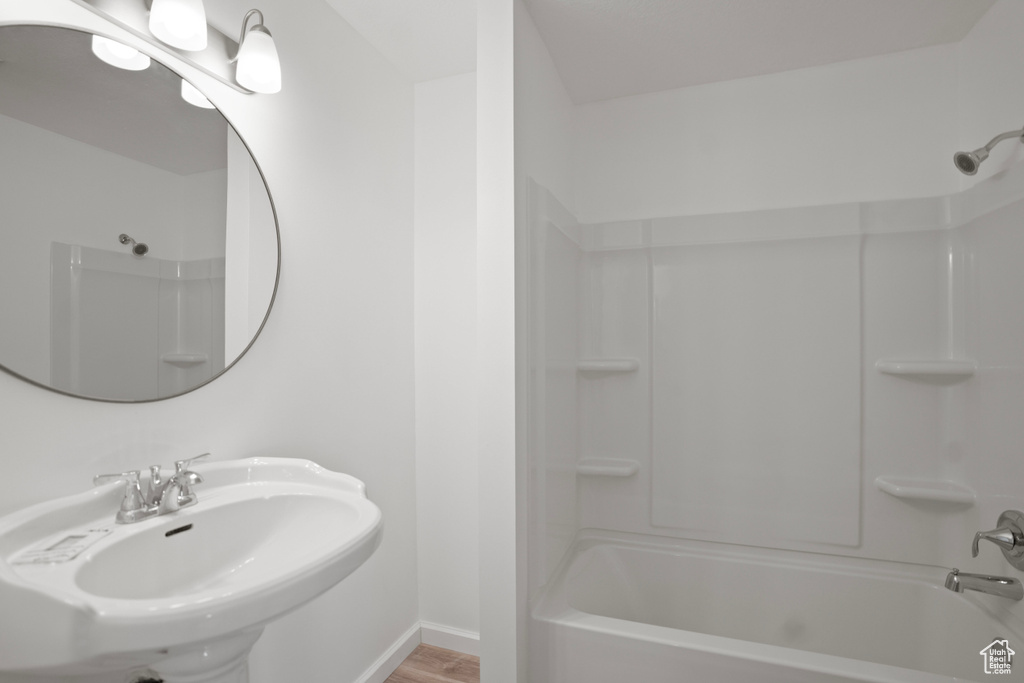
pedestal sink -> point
(185, 594)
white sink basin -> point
(267, 535)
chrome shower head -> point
(968, 162)
(138, 248)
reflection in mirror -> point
(139, 248)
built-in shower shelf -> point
(951, 368)
(607, 467)
(608, 365)
(925, 489)
(184, 360)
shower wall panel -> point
(756, 390)
(993, 431)
(555, 307)
(615, 327)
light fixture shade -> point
(179, 23)
(119, 55)
(258, 68)
(191, 94)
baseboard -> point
(450, 638)
(393, 657)
(424, 632)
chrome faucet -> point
(162, 495)
(1002, 586)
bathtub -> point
(628, 608)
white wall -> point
(499, 337)
(445, 323)
(869, 129)
(544, 116)
(331, 377)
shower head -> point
(138, 248)
(968, 162)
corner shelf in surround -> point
(925, 489)
(951, 368)
(184, 360)
(608, 365)
(607, 467)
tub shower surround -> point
(819, 396)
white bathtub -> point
(627, 608)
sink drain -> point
(179, 530)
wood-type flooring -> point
(429, 664)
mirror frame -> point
(161, 58)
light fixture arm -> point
(257, 64)
(245, 29)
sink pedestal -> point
(222, 661)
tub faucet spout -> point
(1002, 586)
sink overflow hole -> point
(180, 529)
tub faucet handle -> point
(1008, 535)
(1002, 537)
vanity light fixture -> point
(179, 27)
(257, 67)
(179, 23)
(118, 54)
(191, 94)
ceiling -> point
(425, 39)
(614, 48)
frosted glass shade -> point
(191, 94)
(119, 55)
(179, 23)
(258, 68)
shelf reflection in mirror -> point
(92, 152)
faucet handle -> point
(181, 466)
(1002, 537)
(1008, 535)
(128, 477)
(185, 478)
(133, 505)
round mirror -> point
(139, 249)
